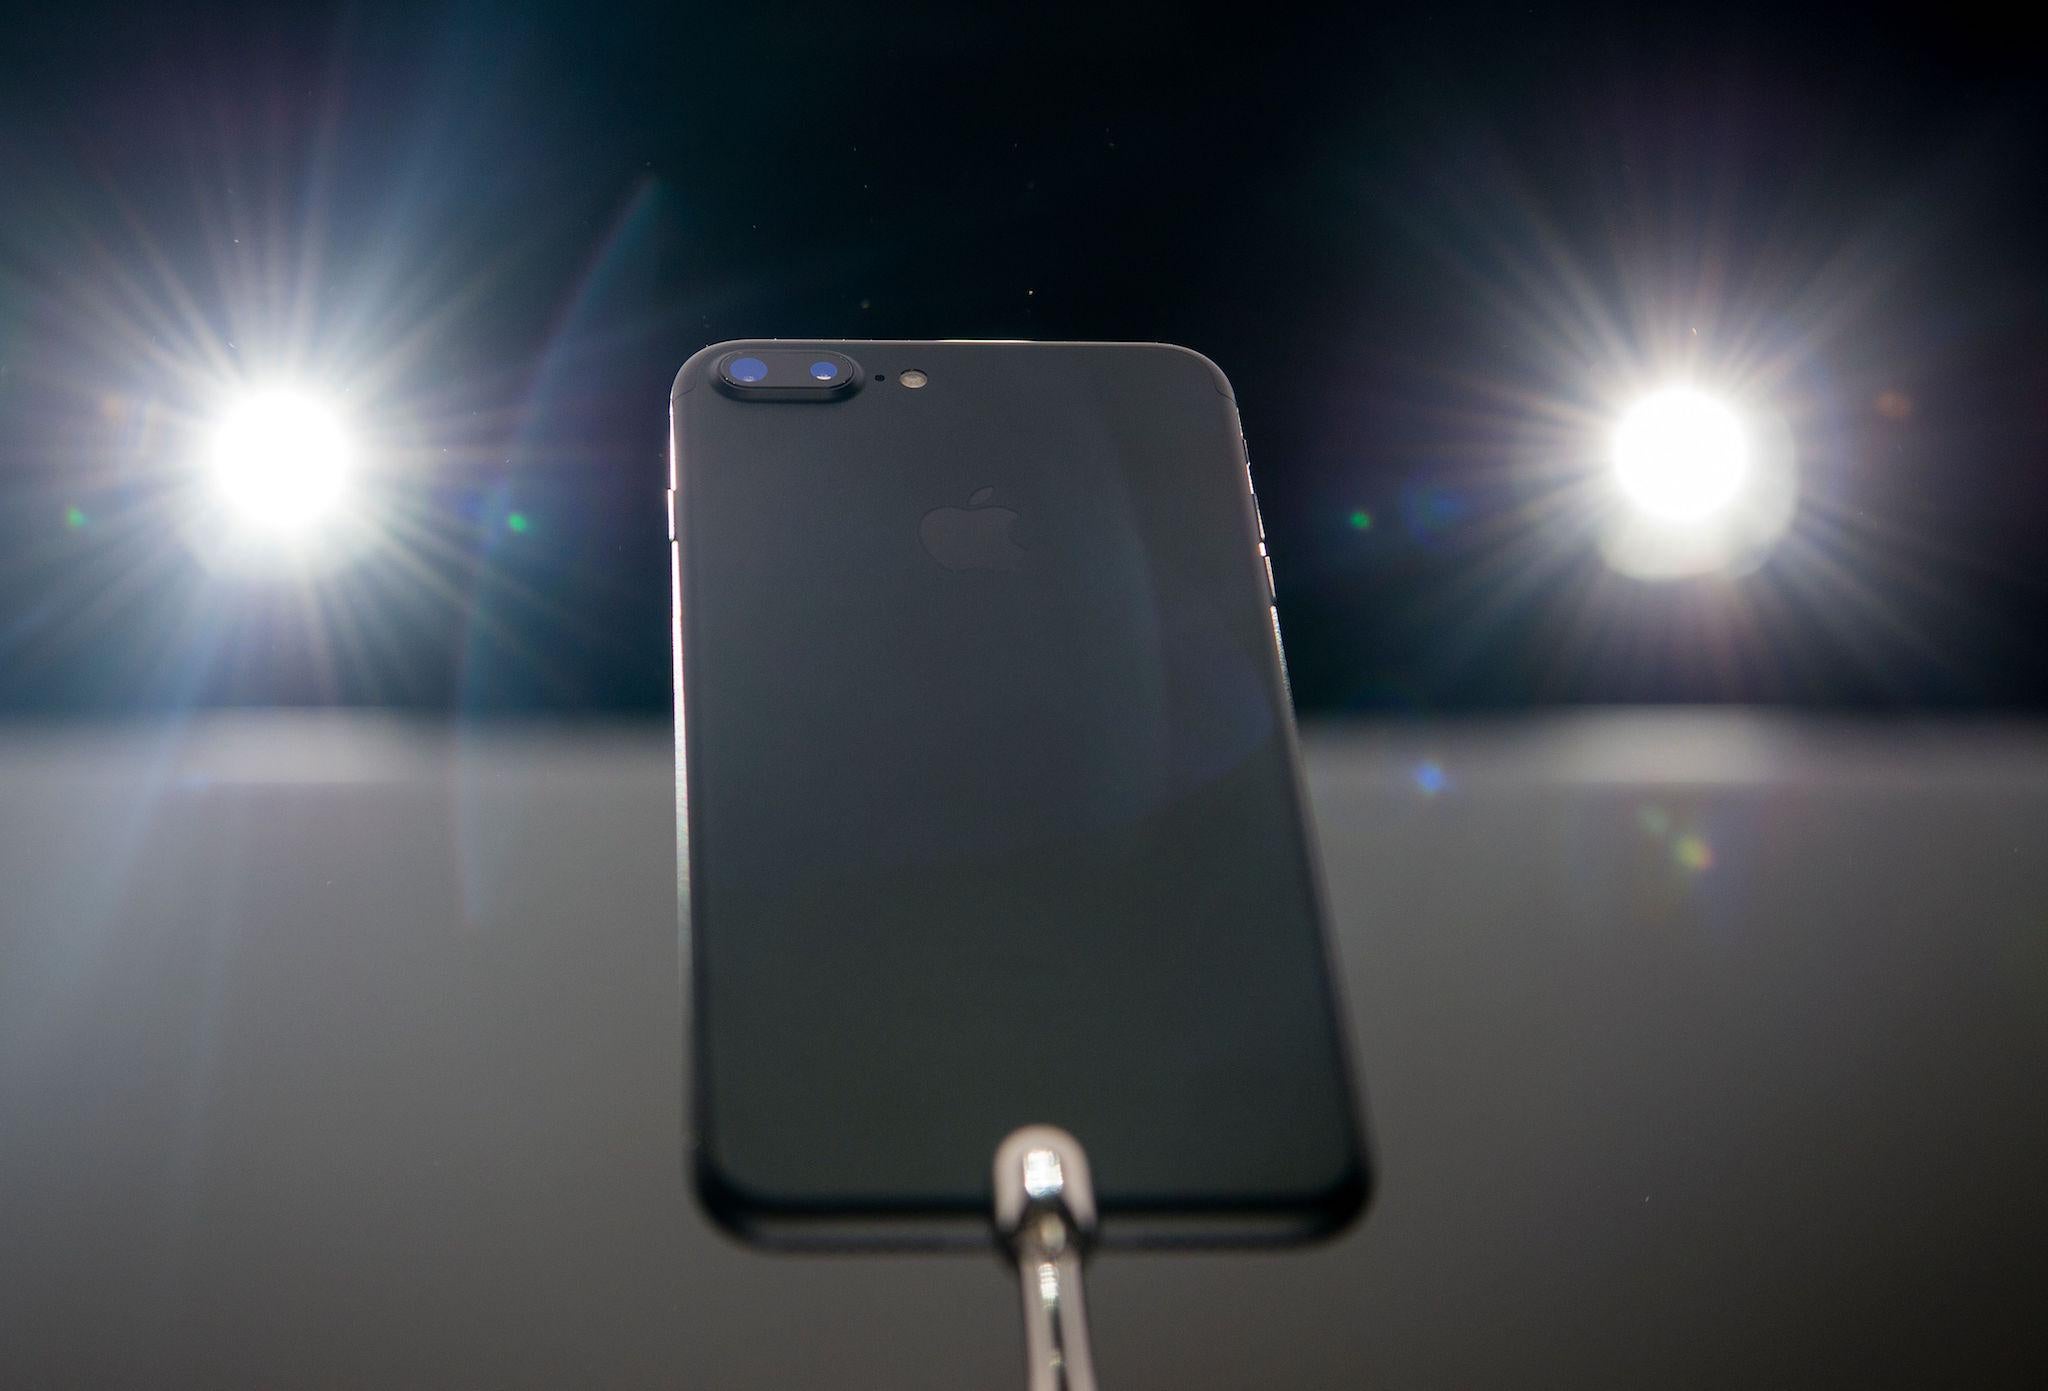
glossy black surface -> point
(993, 807)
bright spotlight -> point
(281, 459)
(1695, 484)
(1681, 456)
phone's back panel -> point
(993, 804)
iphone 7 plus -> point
(992, 808)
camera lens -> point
(747, 369)
(824, 371)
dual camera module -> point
(749, 370)
(798, 374)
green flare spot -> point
(74, 517)
(517, 521)
(1361, 520)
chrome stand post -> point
(1045, 1214)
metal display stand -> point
(1045, 1214)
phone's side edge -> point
(1346, 1199)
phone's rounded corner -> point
(696, 368)
(1336, 1210)
(1208, 365)
(734, 1210)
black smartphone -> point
(991, 799)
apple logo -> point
(974, 537)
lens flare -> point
(281, 459)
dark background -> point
(1417, 240)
